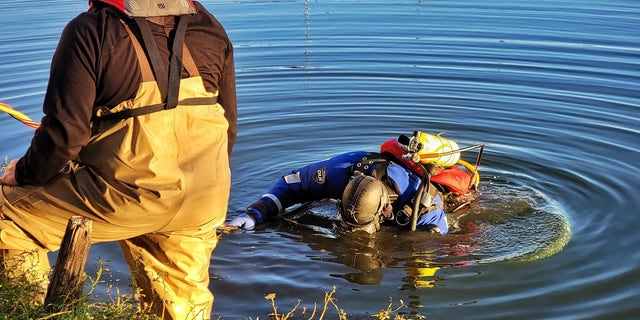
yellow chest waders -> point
(155, 175)
(169, 154)
(176, 151)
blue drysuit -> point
(328, 179)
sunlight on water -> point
(515, 225)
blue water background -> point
(552, 88)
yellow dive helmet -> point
(435, 145)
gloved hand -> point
(255, 214)
(243, 221)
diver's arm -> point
(320, 180)
(282, 195)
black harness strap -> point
(379, 163)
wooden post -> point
(67, 281)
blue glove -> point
(243, 221)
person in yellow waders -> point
(140, 119)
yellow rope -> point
(18, 115)
(471, 169)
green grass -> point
(21, 299)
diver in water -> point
(406, 184)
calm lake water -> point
(552, 88)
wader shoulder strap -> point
(145, 68)
(169, 86)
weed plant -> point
(20, 299)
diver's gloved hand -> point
(257, 213)
(243, 221)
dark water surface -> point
(551, 87)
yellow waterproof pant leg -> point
(171, 269)
(35, 218)
(22, 257)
